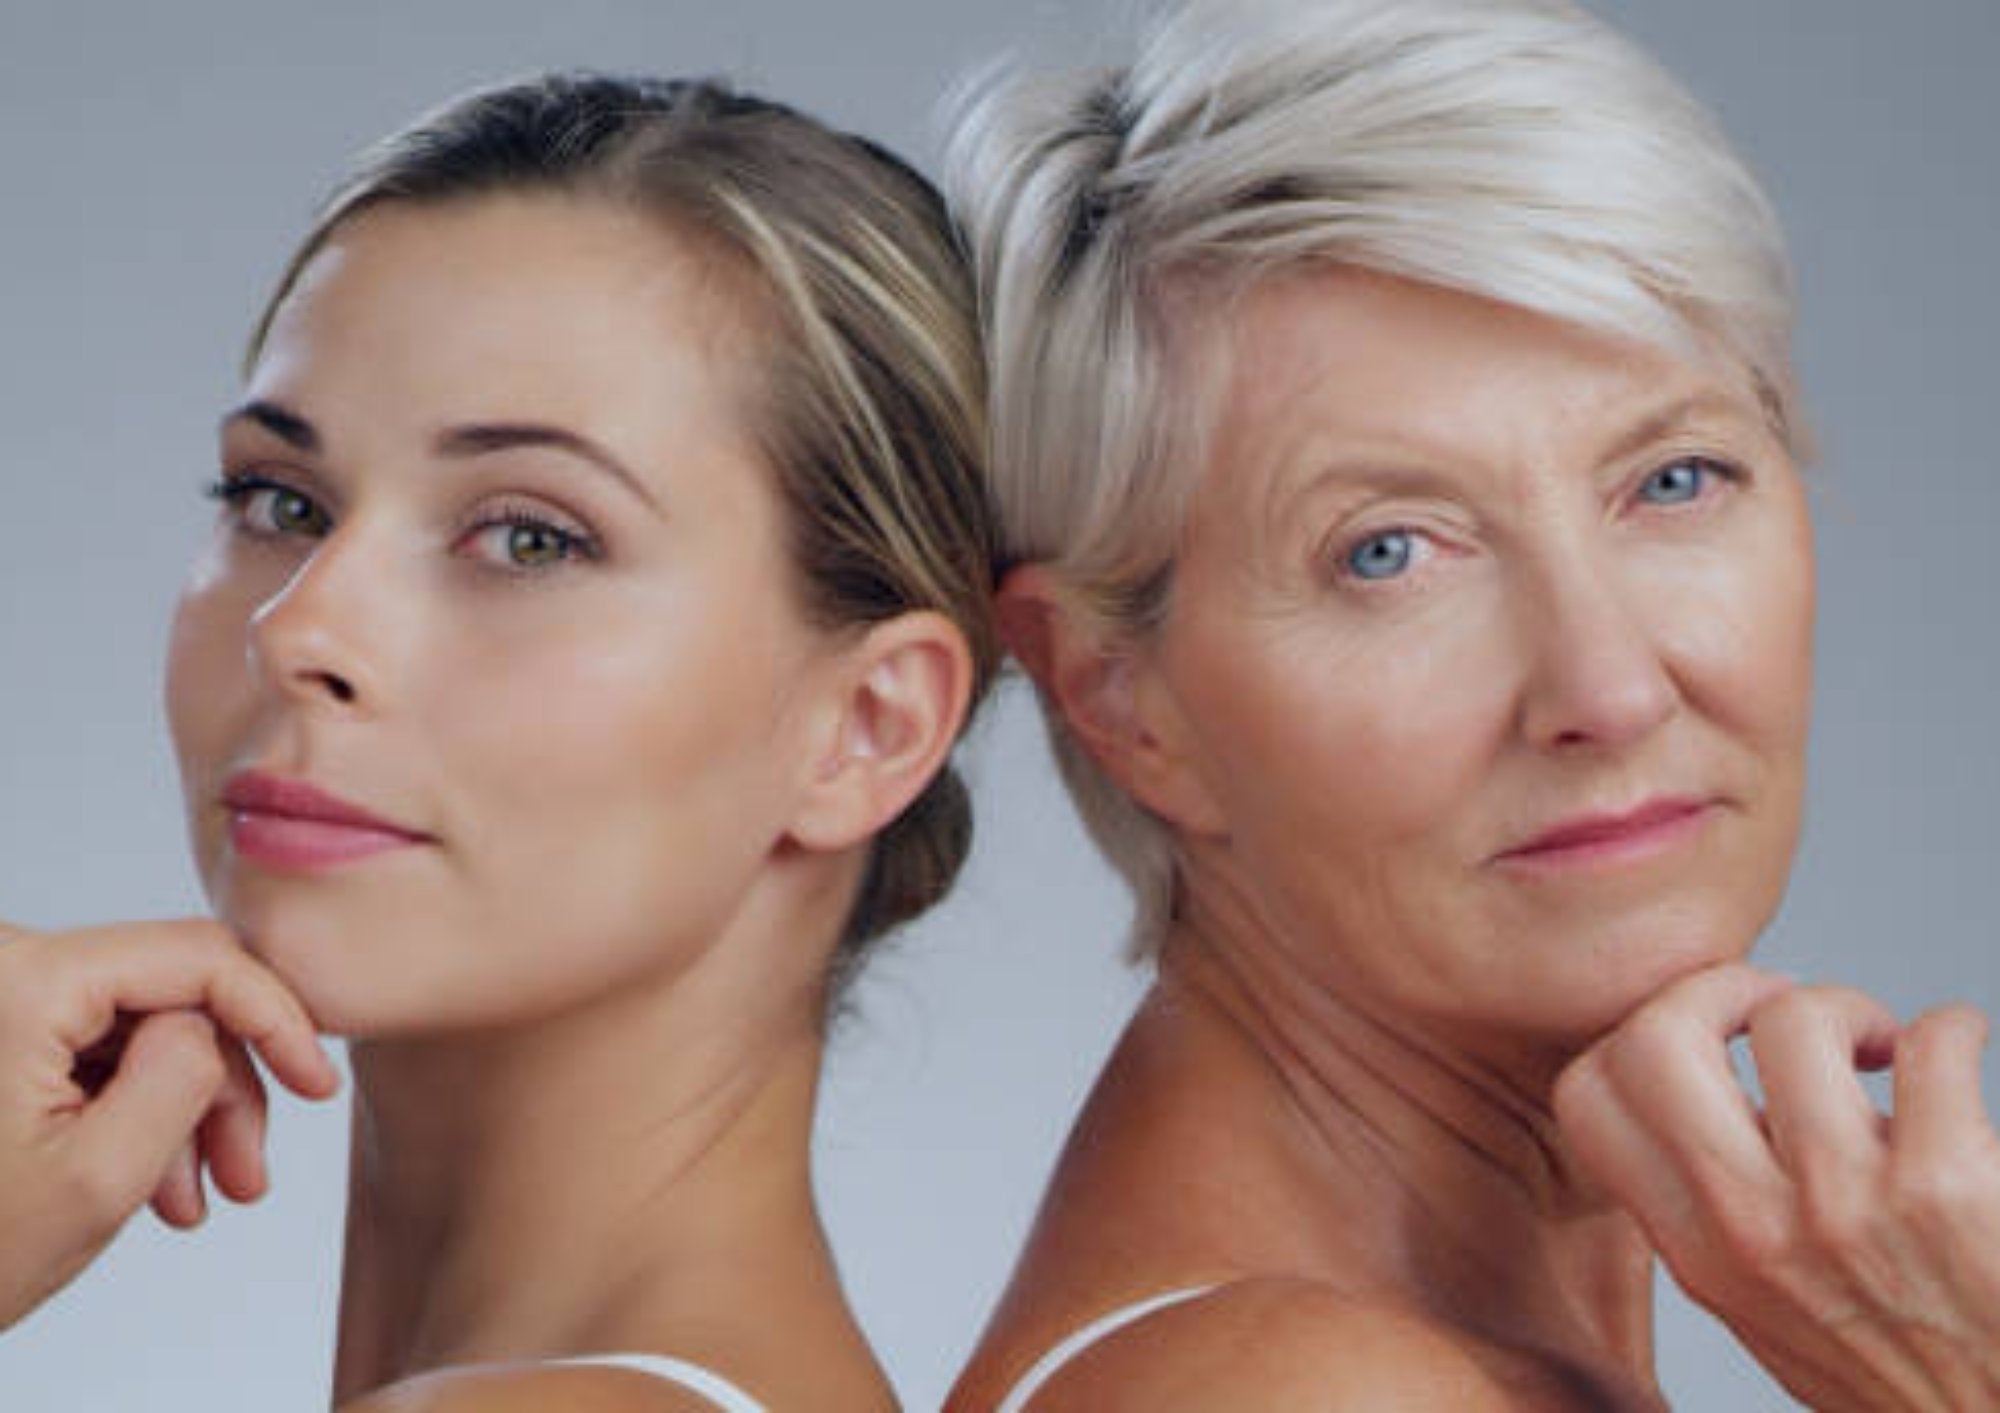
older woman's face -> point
(1489, 654)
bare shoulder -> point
(1276, 1343)
(530, 1388)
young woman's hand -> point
(123, 1071)
(1855, 1254)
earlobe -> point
(902, 695)
(1100, 688)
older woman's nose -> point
(315, 639)
(1598, 676)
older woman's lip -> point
(1606, 836)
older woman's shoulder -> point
(1277, 1343)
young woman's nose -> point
(317, 638)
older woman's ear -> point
(901, 695)
(1100, 685)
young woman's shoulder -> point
(532, 1388)
(1275, 1343)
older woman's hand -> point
(123, 1071)
(1856, 1255)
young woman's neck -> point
(630, 1175)
(1443, 1166)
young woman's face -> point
(491, 693)
(1490, 647)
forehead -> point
(1327, 362)
(570, 308)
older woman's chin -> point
(1611, 985)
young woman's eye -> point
(271, 508)
(1679, 482)
(1381, 556)
(526, 542)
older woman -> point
(1397, 452)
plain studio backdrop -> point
(159, 162)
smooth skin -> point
(1457, 576)
(500, 562)
(503, 562)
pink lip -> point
(1609, 838)
(290, 825)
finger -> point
(184, 965)
(1721, 997)
(1669, 1064)
(231, 1137)
(1618, 1153)
(1807, 1043)
(168, 1077)
(1938, 1105)
(177, 1200)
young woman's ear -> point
(1107, 696)
(902, 693)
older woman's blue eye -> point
(1676, 484)
(1382, 556)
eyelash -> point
(1711, 469)
(237, 491)
(572, 543)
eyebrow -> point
(1707, 402)
(457, 443)
(287, 426)
(1415, 477)
(486, 438)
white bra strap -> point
(711, 1386)
(1050, 1364)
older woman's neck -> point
(1443, 1164)
(578, 1184)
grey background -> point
(157, 163)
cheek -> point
(614, 786)
(1739, 624)
(607, 713)
(207, 680)
(1353, 749)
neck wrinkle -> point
(1451, 1144)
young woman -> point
(600, 582)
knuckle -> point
(191, 1038)
(204, 935)
(1799, 1008)
(1643, 1043)
(1578, 1088)
(1839, 1220)
(1939, 1199)
(1753, 1236)
(1937, 1025)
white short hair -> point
(1514, 149)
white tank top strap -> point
(711, 1386)
(1103, 1327)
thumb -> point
(167, 1078)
